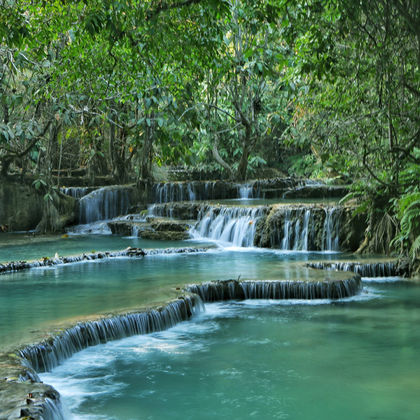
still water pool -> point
(353, 359)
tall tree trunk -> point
(243, 163)
(147, 152)
(112, 147)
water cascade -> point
(236, 225)
(76, 192)
(48, 354)
(44, 409)
(331, 229)
(296, 230)
(301, 228)
(245, 191)
(373, 269)
(165, 192)
(104, 203)
(276, 289)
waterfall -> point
(373, 269)
(104, 203)
(235, 225)
(245, 191)
(306, 228)
(296, 232)
(166, 192)
(50, 353)
(276, 289)
(42, 406)
(76, 192)
(331, 230)
(191, 194)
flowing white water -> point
(202, 368)
(245, 191)
(298, 231)
(233, 225)
(331, 230)
(103, 203)
(75, 192)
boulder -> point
(21, 206)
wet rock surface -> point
(153, 228)
(20, 207)
(22, 395)
(128, 252)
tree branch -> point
(162, 7)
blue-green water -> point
(23, 246)
(355, 359)
(36, 301)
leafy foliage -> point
(311, 87)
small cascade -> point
(191, 193)
(51, 409)
(103, 204)
(301, 228)
(166, 192)
(276, 289)
(76, 192)
(235, 225)
(331, 230)
(245, 191)
(41, 404)
(50, 353)
(297, 232)
(374, 269)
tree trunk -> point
(220, 160)
(243, 164)
(147, 152)
(246, 145)
(112, 147)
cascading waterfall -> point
(245, 191)
(235, 225)
(304, 229)
(331, 230)
(45, 356)
(50, 353)
(297, 232)
(166, 192)
(191, 193)
(104, 203)
(276, 289)
(76, 192)
(371, 269)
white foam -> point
(392, 279)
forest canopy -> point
(319, 88)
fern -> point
(415, 248)
(409, 215)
